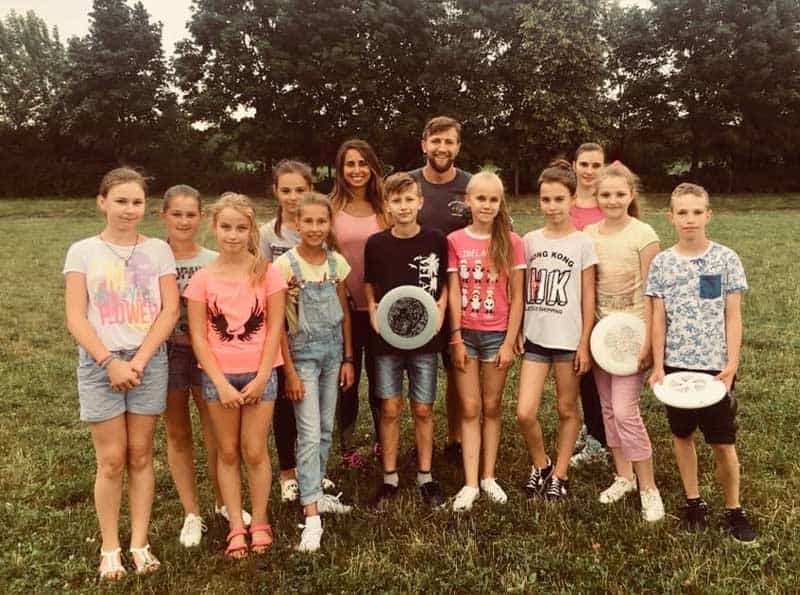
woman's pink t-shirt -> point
(351, 237)
(237, 317)
(484, 293)
(583, 216)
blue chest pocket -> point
(710, 286)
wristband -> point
(348, 359)
(453, 331)
(456, 342)
(106, 361)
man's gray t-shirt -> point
(443, 208)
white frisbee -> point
(407, 317)
(615, 343)
(689, 390)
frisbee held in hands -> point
(615, 343)
(407, 317)
(689, 390)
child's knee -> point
(423, 412)
(139, 458)
(471, 410)
(390, 409)
(254, 454)
(112, 465)
(567, 409)
(228, 454)
(725, 453)
(527, 418)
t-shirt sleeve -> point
(736, 280)
(75, 261)
(283, 266)
(343, 267)
(645, 236)
(588, 253)
(655, 278)
(196, 289)
(166, 260)
(517, 253)
(274, 280)
(452, 253)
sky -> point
(72, 16)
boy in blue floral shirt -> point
(696, 288)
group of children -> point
(276, 325)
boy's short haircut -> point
(399, 182)
(440, 124)
(691, 189)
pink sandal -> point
(261, 546)
(232, 549)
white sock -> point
(424, 477)
(393, 479)
(314, 522)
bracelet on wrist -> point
(456, 342)
(348, 359)
(107, 360)
(453, 331)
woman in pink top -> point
(357, 198)
(235, 307)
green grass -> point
(49, 539)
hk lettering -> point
(547, 287)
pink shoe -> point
(352, 459)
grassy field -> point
(49, 539)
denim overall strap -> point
(302, 324)
(331, 267)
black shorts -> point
(717, 421)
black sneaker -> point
(386, 492)
(739, 527)
(453, 453)
(555, 488)
(432, 494)
(695, 515)
(537, 480)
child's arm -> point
(121, 374)
(347, 373)
(646, 256)
(505, 355)
(196, 313)
(458, 353)
(658, 336)
(162, 326)
(372, 305)
(441, 305)
(583, 359)
(733, 336)
(295, 390)
(276, 307)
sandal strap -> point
(266, 527)
(235, 533)
(115, 552)
(149, 561)
(114, 561)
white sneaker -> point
(328, 504)
(192, 531)
(652, 506)
(465, 498)
(290, 490)
(223, 512)
(591, 452)
(310, 538)
(327, 484)
(492, 489)
(617, 490)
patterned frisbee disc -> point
(615, 343)
(689, 390)
(407, 317)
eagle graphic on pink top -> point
(251, 326)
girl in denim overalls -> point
(320, 348)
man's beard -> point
(438, 169)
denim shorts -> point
(99, 402)
(482, 345)
(536, 353)
(421, 370)
(238, 381)
(183, 370)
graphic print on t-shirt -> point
(243, 333)
(122, 293)
(427, 268)
(547, 287)
(477, 283)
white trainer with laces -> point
(617, 490)
(493, 490)
(591, 452)
(223, 512)
(328, 504)
(327, 484)
(290, 490)
(310, 539)
(192, 531)
(652, 505)
(465, 498)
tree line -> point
(707, 90)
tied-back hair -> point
(315, 198)
(559, 172)
(590, 147)
(500, 243)
(340, 194)
(181, 190)
(618, 170)
(244, 206)
(288, 166)
(121, 175)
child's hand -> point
(505, 357)
(137, 365)
(346, 375)
(519, 345)
(122, 375)
(726, 376)
(583, 360)
(253, 390)
(295, 391)
(373, 320)
(229, 396)
(656, 376)
(645, 358)
(458, 355)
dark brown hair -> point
(180, 190)
(440, 124)
(340, 194)
(559, 172)
(590, 147)
(288, 166)
(399, 182)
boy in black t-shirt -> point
(406, 254)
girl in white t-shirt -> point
(559, 311)
(121, 305)
(485, 275)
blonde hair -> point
(244, 206)
(618, 170)
(500, 243)
(315, 198)
(690, 189)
